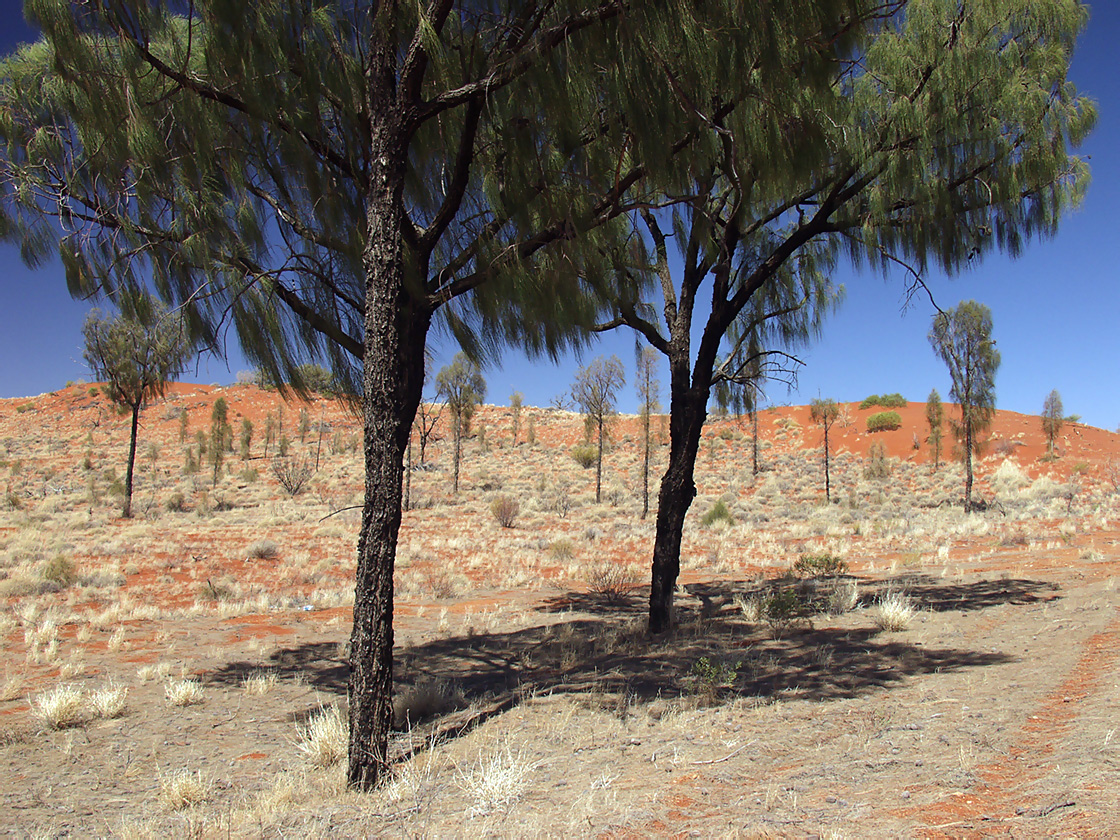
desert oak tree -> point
(1052, 419)
(962, 338)
(929, 132)
(824, 413)
(461, 385)
(137, 353)
(595, 391)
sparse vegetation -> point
(894, 612)
(884, 421)
(323, 739)
(719, 512)
(505, 510)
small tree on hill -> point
(221, 435)
(1052, 419)
(246, 438)
(935, 416)
(824, 413)
(647, 385)
(595, 390)
(515, 400)
(962, 337)
(462, 386)
(137, 353)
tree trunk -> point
(457, 434)
(127, 514)
(827, 485)
(967, 466)
(396, 329)
(645, 462)
(686, 418)
(599, 463)
(754, 443)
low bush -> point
(292, 473)
(585, 455)
(819, 565)
(718, 513)
(894, 400)
(60, 569)
(612, 581)
(505, 510)
(877, 464)
(264, 550)
(883, 421)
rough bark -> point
(968, 444)
(678, 488)
(396, 329)
(645, 462)
(127, 514)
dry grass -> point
(259, 682)
(324, 740)
(184, 692)
(894, 612)
(109, 702)
(495, 781)
(183, 789)
(61, 707)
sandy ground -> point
(531, 702)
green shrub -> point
(709, 679)
(883, 421)
(585, 455)
(20, 409)
(819, 565)
(895, 400)
(718, 512)
(60, 569)
(176, 503)
(782, 610)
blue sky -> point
(1056, 309)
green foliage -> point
(781, 609)
(176, 503)
(819, 565)
(585, 454)
(878, 467)
(246, 438)
(23, 408)
(60, 569)
(711, 678)
(1052, 419)
(718, 513)
(935, 416)
(462, 386)
(884, 421)
(895, 400)
(870, 402)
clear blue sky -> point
(1056, 309)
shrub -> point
(427, 699)
(819, 565)
(60, 569)
(264, 550)
(877, 464)
(585, 455)
(612, 581)
(782, 609)
(561, 550)
(505, 510)
(894, 400)
(709, 678)
(883, 421)
(292, 473)
(718, 513)
(176, 503)
(870, 402)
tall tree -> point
(595, 392)
(137, 353)
(462, 386)
(328, 178)
(1052, 418)
(857, 157)
(935, 417)
(648, 386)
(962, 337)
(824, 414)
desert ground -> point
(880, 665)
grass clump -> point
(325, 738)
(109, 702)
(894, 612)
(612, 581)
(60, 708)
(718, 513)
(428, 699)
(184, 692)
(884, 421)
(259, 683)
(183, 789)
(60, 569)
(496, 782)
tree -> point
(857, 158)
(475, 163)
(647, 386)
(595, 391)
(246, 440)
(1052, 418)
(221, 435)
(137, 353)
(962, 338)
(427, 416)
(824, 414)
(462, 386)
(515, 400)
(935, 416)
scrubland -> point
(880, 665)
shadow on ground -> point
(604, 648)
